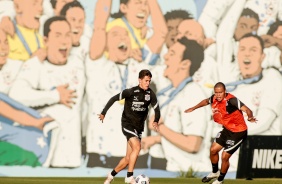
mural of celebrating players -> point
(61, 60)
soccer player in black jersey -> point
(137, 100)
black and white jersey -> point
(137, 101)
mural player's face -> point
(219, 93)
(136, 12)
(192, 30)
(30, 12)
(172, 26)
(250, 57)
(59, 42)
(76, 17)
(278, 33)
(118, 44)
(4, 48)
(59, 6)
(245, 25)
(145, 82)
(173, 58)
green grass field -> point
(10, 180)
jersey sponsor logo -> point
(140, 109)
(147, 97)
(148, 91)
(137, 103)
(135, 98)
(137, 106)
(137, 91)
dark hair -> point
(50, 21)
(177, 14)
(119, 14)
(54, 3)
(69, 6)
(194, 52)
(247, 12)
(220, 85)
(144, 73)
(254, 36)
(273, 27)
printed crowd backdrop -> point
(62, 60)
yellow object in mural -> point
(24, 43)
(135, 34)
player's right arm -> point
(199, 105)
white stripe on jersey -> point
(156, 105)
(239, 103)
(120, 96)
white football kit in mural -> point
(37, 82)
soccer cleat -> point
(130, 180)
(217, 182)
(109, 179)
(210, 176)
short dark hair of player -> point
(144, 73)
(194, 52)
(69, 6)
(177, 14)
(50, 21)
(256, 37)
(247, 12)
(219, 85)
(119, 14)
(273, 27)
(54, 3)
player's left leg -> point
(234, 141)
(121, 165)
(135, 144)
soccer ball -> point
(142, 179)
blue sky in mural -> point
(193, 6)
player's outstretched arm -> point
(199, 105)
(249, 113)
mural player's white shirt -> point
(194, 123)
(272, 57)
(215, 11)
(82, 50)
(8, 74)
(104, 81)
(7, 9)
(160, 82)
(263, 95)
(36, 86)
(207, 74)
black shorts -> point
(231, 141)
(130, 131)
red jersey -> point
(227, 112)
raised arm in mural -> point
(99, 37)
